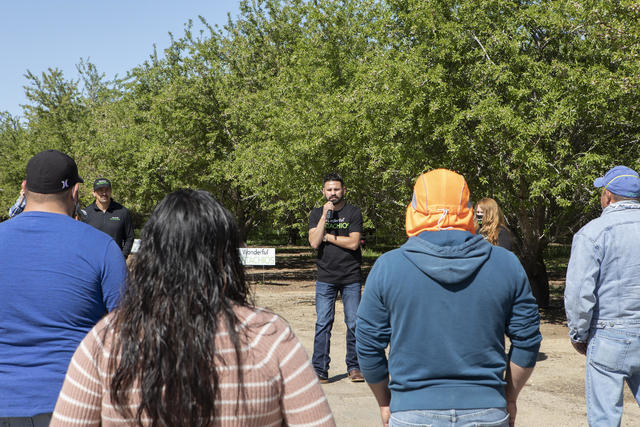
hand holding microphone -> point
(328, 208)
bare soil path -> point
(554, 396)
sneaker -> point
(356, 376)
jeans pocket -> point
(500, 423)
(608, 351)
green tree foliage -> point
(529, 100)
(12, 136)
(536, 102)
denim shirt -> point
(603, 277)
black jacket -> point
(116, 222)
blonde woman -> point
(490, 223)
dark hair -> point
(184, 283)
(333, 176)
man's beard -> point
(336, 201)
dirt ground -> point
(553, 396)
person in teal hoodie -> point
(443, 303)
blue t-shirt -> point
(58, 278)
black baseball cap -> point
(101, 182)
(51, 171)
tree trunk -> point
(537, 272)
(292, 236)
(532, 248)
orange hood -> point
(440, 202)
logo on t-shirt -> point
(114, 218)
(336, 225)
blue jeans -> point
(494, 417)
(613, 357)
(326, 295)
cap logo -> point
(65, 183)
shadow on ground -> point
(296, 267)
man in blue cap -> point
(602, 296)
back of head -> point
(50, 176)
(50, 172)
(191, 236)
(621, 181)
(183, 286)
(440, 202)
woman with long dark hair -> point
(187, 347)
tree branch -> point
(483, 49)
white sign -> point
(258, 256)
(248, 256)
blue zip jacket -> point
(444, 302)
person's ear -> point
(605, 198)
(24, 186)
(74, 192)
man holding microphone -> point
(334, 230)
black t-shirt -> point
(335, 264)
(116, 222)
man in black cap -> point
(58, 278)
(109, 216)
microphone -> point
(329, 213)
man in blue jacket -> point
(602, 296)
(444, 302)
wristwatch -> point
(324, 238)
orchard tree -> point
(302, 101)
(528, 100)
(533, 100)
(55, 107)
(54, 110)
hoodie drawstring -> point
(445, 212)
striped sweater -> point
(280, 386)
